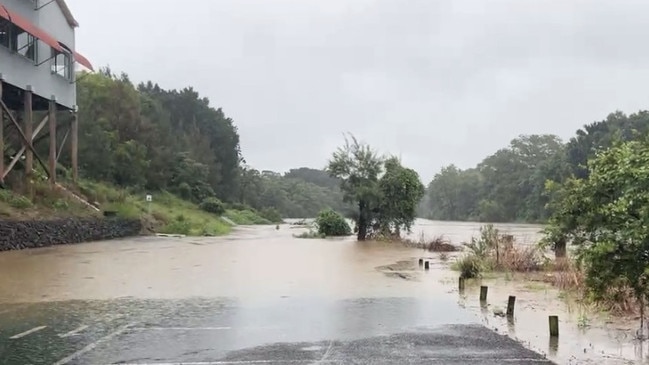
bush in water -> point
(330, 223)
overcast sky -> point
(436, 82)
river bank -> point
(588, 335)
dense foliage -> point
(331, 223)
(386, 193)
(607, 214)
(148, 138)
(293, 195)
(510, 185)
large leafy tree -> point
(506, 186)
(386, 193)
(401, 190)
(607, 216)
(148, 137)
(358, 167)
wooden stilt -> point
(52, 154)
(74, 145)
(2, 138)
(27, 130)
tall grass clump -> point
(493, 251)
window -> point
(62, 64)
(23, 43)
(5, 26)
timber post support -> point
(74, 144)
(28, 115)
(2, 140)
(52, 153)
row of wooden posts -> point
(553, 321)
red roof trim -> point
(30, 28)
(4, 13)
(82, 60)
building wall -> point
(20, 72)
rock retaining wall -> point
(32, 234)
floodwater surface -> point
(257, 284)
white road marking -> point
(73, 332)
(234, 362)
(222, 362)
(92, 346)
(35, 329)
(182, 328)
(327, 353)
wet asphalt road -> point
(282, 331)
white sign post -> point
(149, 199)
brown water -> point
(257, 263)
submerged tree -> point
(401, 190)
(387, 193)
(358, 167)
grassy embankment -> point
(167, 213)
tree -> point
(386, 202)
(506, 186)
(358, 167)
(453, 194)
(607, 215)
(401, 190)
(148, 137)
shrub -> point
(15, 200)
(178, 226)
(309, 234)
(185, 191)
(330, 223)
(212, 205)
(470, 266)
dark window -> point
(18, 40)
(5, 26)
(24, 43)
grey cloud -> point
(437, 82)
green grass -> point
(167, 213)
(14, 200)
(245, 217)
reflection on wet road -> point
(259, 296)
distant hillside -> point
(299, 193)
(316, 177)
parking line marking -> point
(183, 328)
(73, 332)
(92, 346)
(234, 362)
(20, 335)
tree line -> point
(515, 183)
(144, 137)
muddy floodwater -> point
(262, 266)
